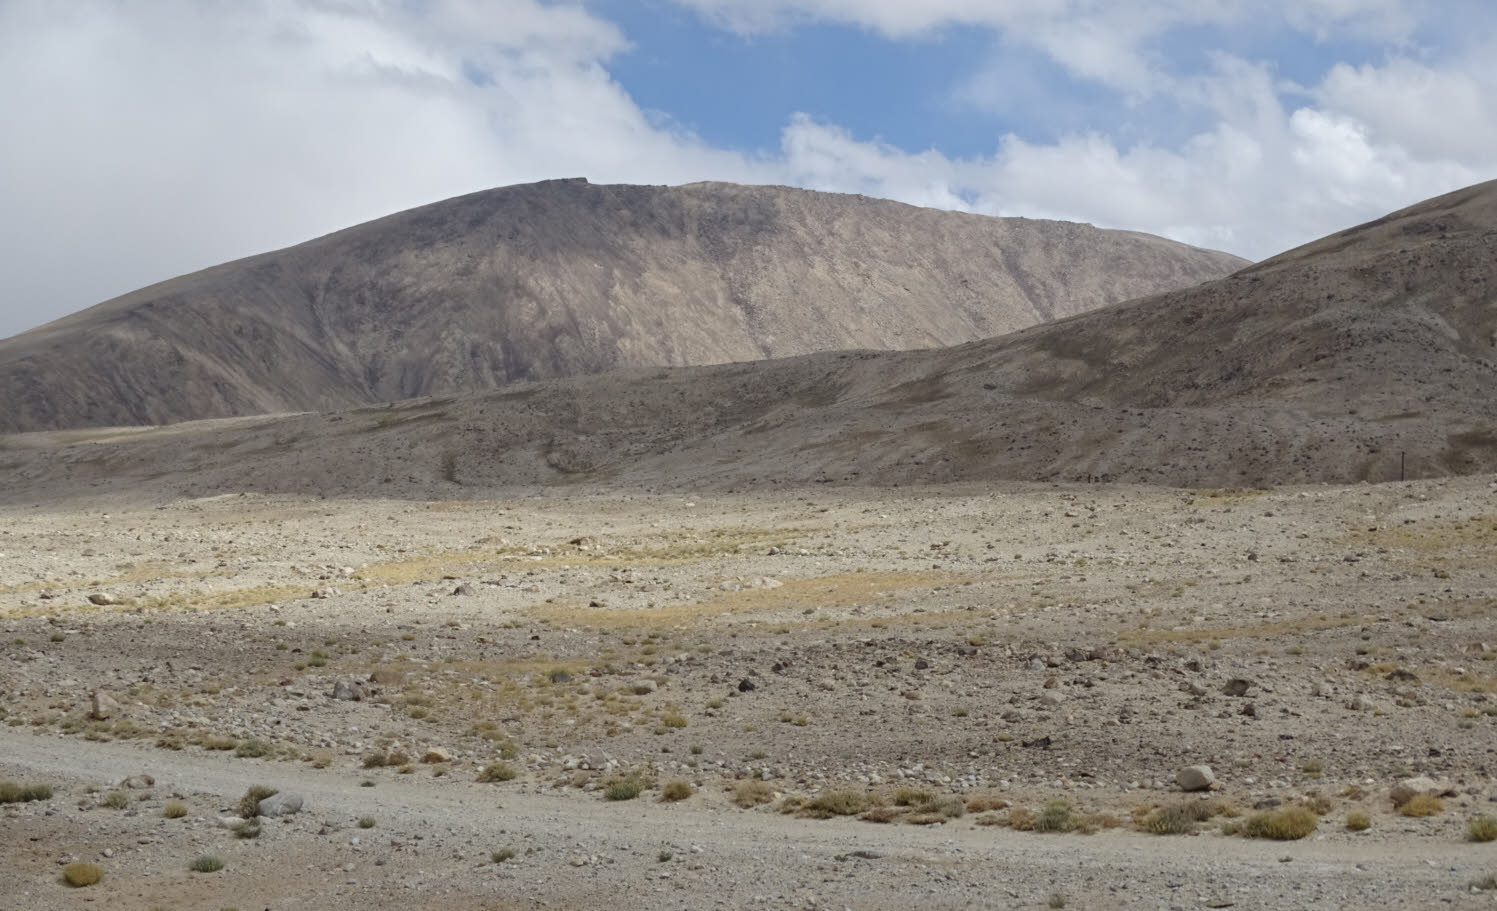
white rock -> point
(1195, 778)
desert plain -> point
(823, 697)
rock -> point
(436, 754)
(921, 664)
(1250, 710)
(463, 590)
(1036, 664)
(1052, 699)
(1237, 686)
(1409, 788)
(1195, 778)
(103, 706)
(282, 804)
(138, 783)
(103, 599)
(746, 686)
(348, 690)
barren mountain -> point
(564, 278)
(1368, 355)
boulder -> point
(102, 599)
(1195, 778)
(103, 706)
(348, 690)
(1237, 686)
(282, 804)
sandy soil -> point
(1000, 648)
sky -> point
(142, 139)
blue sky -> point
(147, 138)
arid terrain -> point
(972, 652)
(877, 630)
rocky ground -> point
(947, 664)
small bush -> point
(1357, 821)
(1422, 805)
(912, 797)
(10, 792)
(115, 800)
(626, 787)
(673, 720)
(502, 855)
(1056, 817)
(675, 790)
(252, 749)
(752, 792)
(174, 809)
(249, 804)
(1176, 820)
(1286, 824)
(207, 863)
(836, 803)
(1056, 900)
(1482, 828)
(1021, 819)
(366, 822)
(80, 874)
(497, 771)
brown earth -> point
(565, 278)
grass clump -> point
(912, 797)
(115, 800)
(1482, 828)
(752, 792)
(174, 809)
(624, 787)
(836, 803)
(1357, 821)
(1177, 820)
(1286, 824)
(10, 792)
(252, 749)
(1421, 805)
(497, 771)
(1055, 817)
(249, 804)
(247, 828)
(381, 759)
(366, 822)
(673, 720)
(502, 855)
(675, 790)
(207, 863)
(80, 874)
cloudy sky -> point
(145, 138)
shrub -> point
(115, 800)
(1021, 819)
(207, 863)
(366, 822)
(912, 797)
(752, 792)
(174, 809)
(252, 749)
(249, 804)
(673, 720)
(675, 790)
(1286, 824)
(1482, 828)
(10, 792)
(1176, 820)
(502, 855)
(1357, 821)
(80, 874)
(1422, 805)
(1056, 817)
(836, 803)
(625, 787)
(497, 771)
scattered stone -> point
(348, 691)
(1237, 686)
(746, 686)
(921, 664)
(102, 599)
(1195, 778)
(283, 804)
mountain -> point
(1369, 355)
(565, 278)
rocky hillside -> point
(565, 278)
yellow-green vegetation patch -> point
(1456, 543)
(225, 599)
(1269, 630)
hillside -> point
(564, 278)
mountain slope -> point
(1369, 355)
(565, 278)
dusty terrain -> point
(995, 647)
(565, 278)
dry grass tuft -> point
(675, 790)
(174, 809)
(752, 793)
(80, 874)
(1421, 805)
(497, 771)
(1357, 821)
(10, 792)
(837, 803)
(1286, 824)
(249, 804)
(1482, 828)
